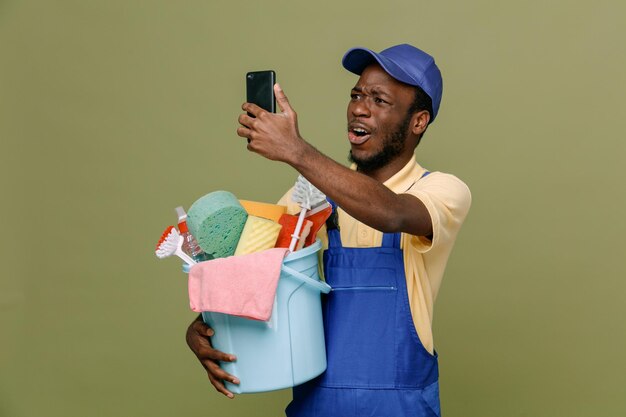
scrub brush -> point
(307, 196)
(171, 243)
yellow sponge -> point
(265, 210)
(258, 234)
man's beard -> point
(393, 144)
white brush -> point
(307, 196)
(171, 243)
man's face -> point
(378, 119)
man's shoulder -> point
(439, 176)
(443, 186)
(438, 179)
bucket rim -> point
(312, 248)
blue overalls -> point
(377, 365)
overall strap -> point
(391, 240)
(332, 226)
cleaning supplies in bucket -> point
(262, 300)
(218, 225)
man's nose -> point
(360, 108)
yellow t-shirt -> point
(447, 200)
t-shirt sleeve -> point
(447, 200)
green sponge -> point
(216, 221)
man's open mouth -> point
(358, 135)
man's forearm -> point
(364, 198)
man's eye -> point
(379, 100)
(355, 96)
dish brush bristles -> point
(305, 194)
(171, 243)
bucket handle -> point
(318, 285)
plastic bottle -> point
(190, 245)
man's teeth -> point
(359, 131)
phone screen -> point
(260, 89)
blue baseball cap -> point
(405, 63)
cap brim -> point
(356, 59)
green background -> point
(114, 112)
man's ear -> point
(419, 122)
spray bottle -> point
(190, 245)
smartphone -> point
(260, 89)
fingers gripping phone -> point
(260, 89)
